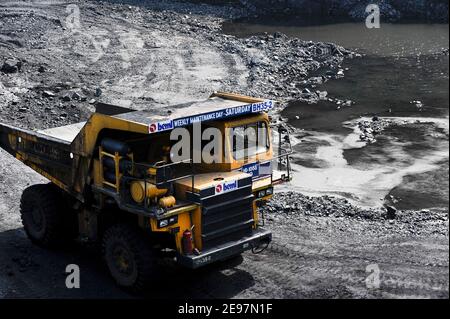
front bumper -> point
(225, 251)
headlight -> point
(265, 192)
(173, 220)
(167, 221)
(163, 223)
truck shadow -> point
(28, 271)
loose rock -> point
(11, 66)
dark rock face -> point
(390, 212)
(390, 10)
(431, 10)
(387, 12)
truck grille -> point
(227, 217)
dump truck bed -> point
(222, 105)
(64, 154)
(65, 133)
(68, 133)
(179, 111)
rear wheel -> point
(45, 215)
(129, 257)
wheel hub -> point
(123, 260)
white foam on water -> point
(365, 186)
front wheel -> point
(129, 257)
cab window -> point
(249, 140)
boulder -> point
(11, 66)
(390, 212)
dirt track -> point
(311, 257)
(171, 57)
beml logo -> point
(166, 125)
(152, 128)
(160, 126)
(229, 186)
(226, 187)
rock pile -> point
(292, 205)
(370, 129)
(280, 66)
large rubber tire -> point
(45, 215)
(129, 257)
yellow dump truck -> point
(114, 182)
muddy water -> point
(408, 165)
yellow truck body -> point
(116, 167)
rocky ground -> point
(326, 247)
(54, 66)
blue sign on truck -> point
(252, 169)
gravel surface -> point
(160, 53)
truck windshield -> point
(249, 140)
